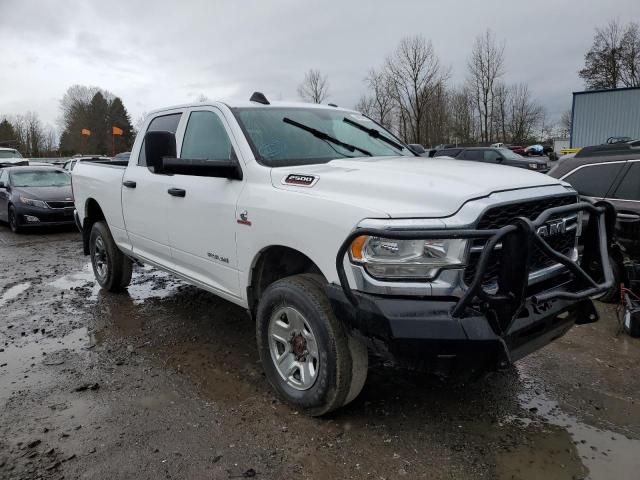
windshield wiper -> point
(374, 133)
(324, 136)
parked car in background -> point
(432, 151)
(35, 196)
(616, 178)
(503, 156)
(11, 156)
(614, 140)
(277, 208)
(519, 149)
(70, 164)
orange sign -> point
(116, 131)
(86, 131)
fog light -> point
(31, 218)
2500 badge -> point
(217, 257)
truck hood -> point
(406, 187)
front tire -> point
(111, 267)
(308, 356)
(13, 220)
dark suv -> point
(503, 156)
(613, 175)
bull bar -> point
(518, 239)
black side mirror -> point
(2, 185)
(157, 146)
(225, 168)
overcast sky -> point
(158, 53)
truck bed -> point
(100, 183)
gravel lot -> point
(164, 382)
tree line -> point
(411, 92)
(91, 110)
(89, 115)
(28, 135)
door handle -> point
(177, 192)
(129, 184)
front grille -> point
(502, 215)
(62, 204)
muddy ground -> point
(164, 382)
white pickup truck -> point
(337, 238)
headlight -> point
(533, 166)
(33, 203)
(385, 258)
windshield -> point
(40, 178)
(10, 154)
(509, 155)
(277, 143)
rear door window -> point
(629, 188)
(164, 123)
(595, 180)
(477, 155)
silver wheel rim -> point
(100, 258)
(293, 347)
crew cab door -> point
(202, 209)
(145, 200)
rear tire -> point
(111, 267)
(308, 356)
(13, 220)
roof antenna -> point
(259, 97)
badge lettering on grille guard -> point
(550, 229)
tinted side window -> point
(629, 188)
(165, 123)
(205, 138)
(473, 155)
(4, 177)
(448, 152)
(595, 180)
(490, 156)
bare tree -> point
(315, 87)
(500, 111)
(603, 61)
(525, 114)
(365, 105)
(461, 121)
(565, 123)
(630, 62)
(382, 101)
(486, 67)
(413, 71)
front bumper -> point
(45, 216)
(510, 322)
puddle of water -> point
(24, 364)
(12, 292)
(75, 280)
(604, 453)
(146, 283)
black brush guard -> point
(517, 240)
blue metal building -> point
(600, 114)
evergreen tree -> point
(8, 137)
(119, 117)
(99, 140)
